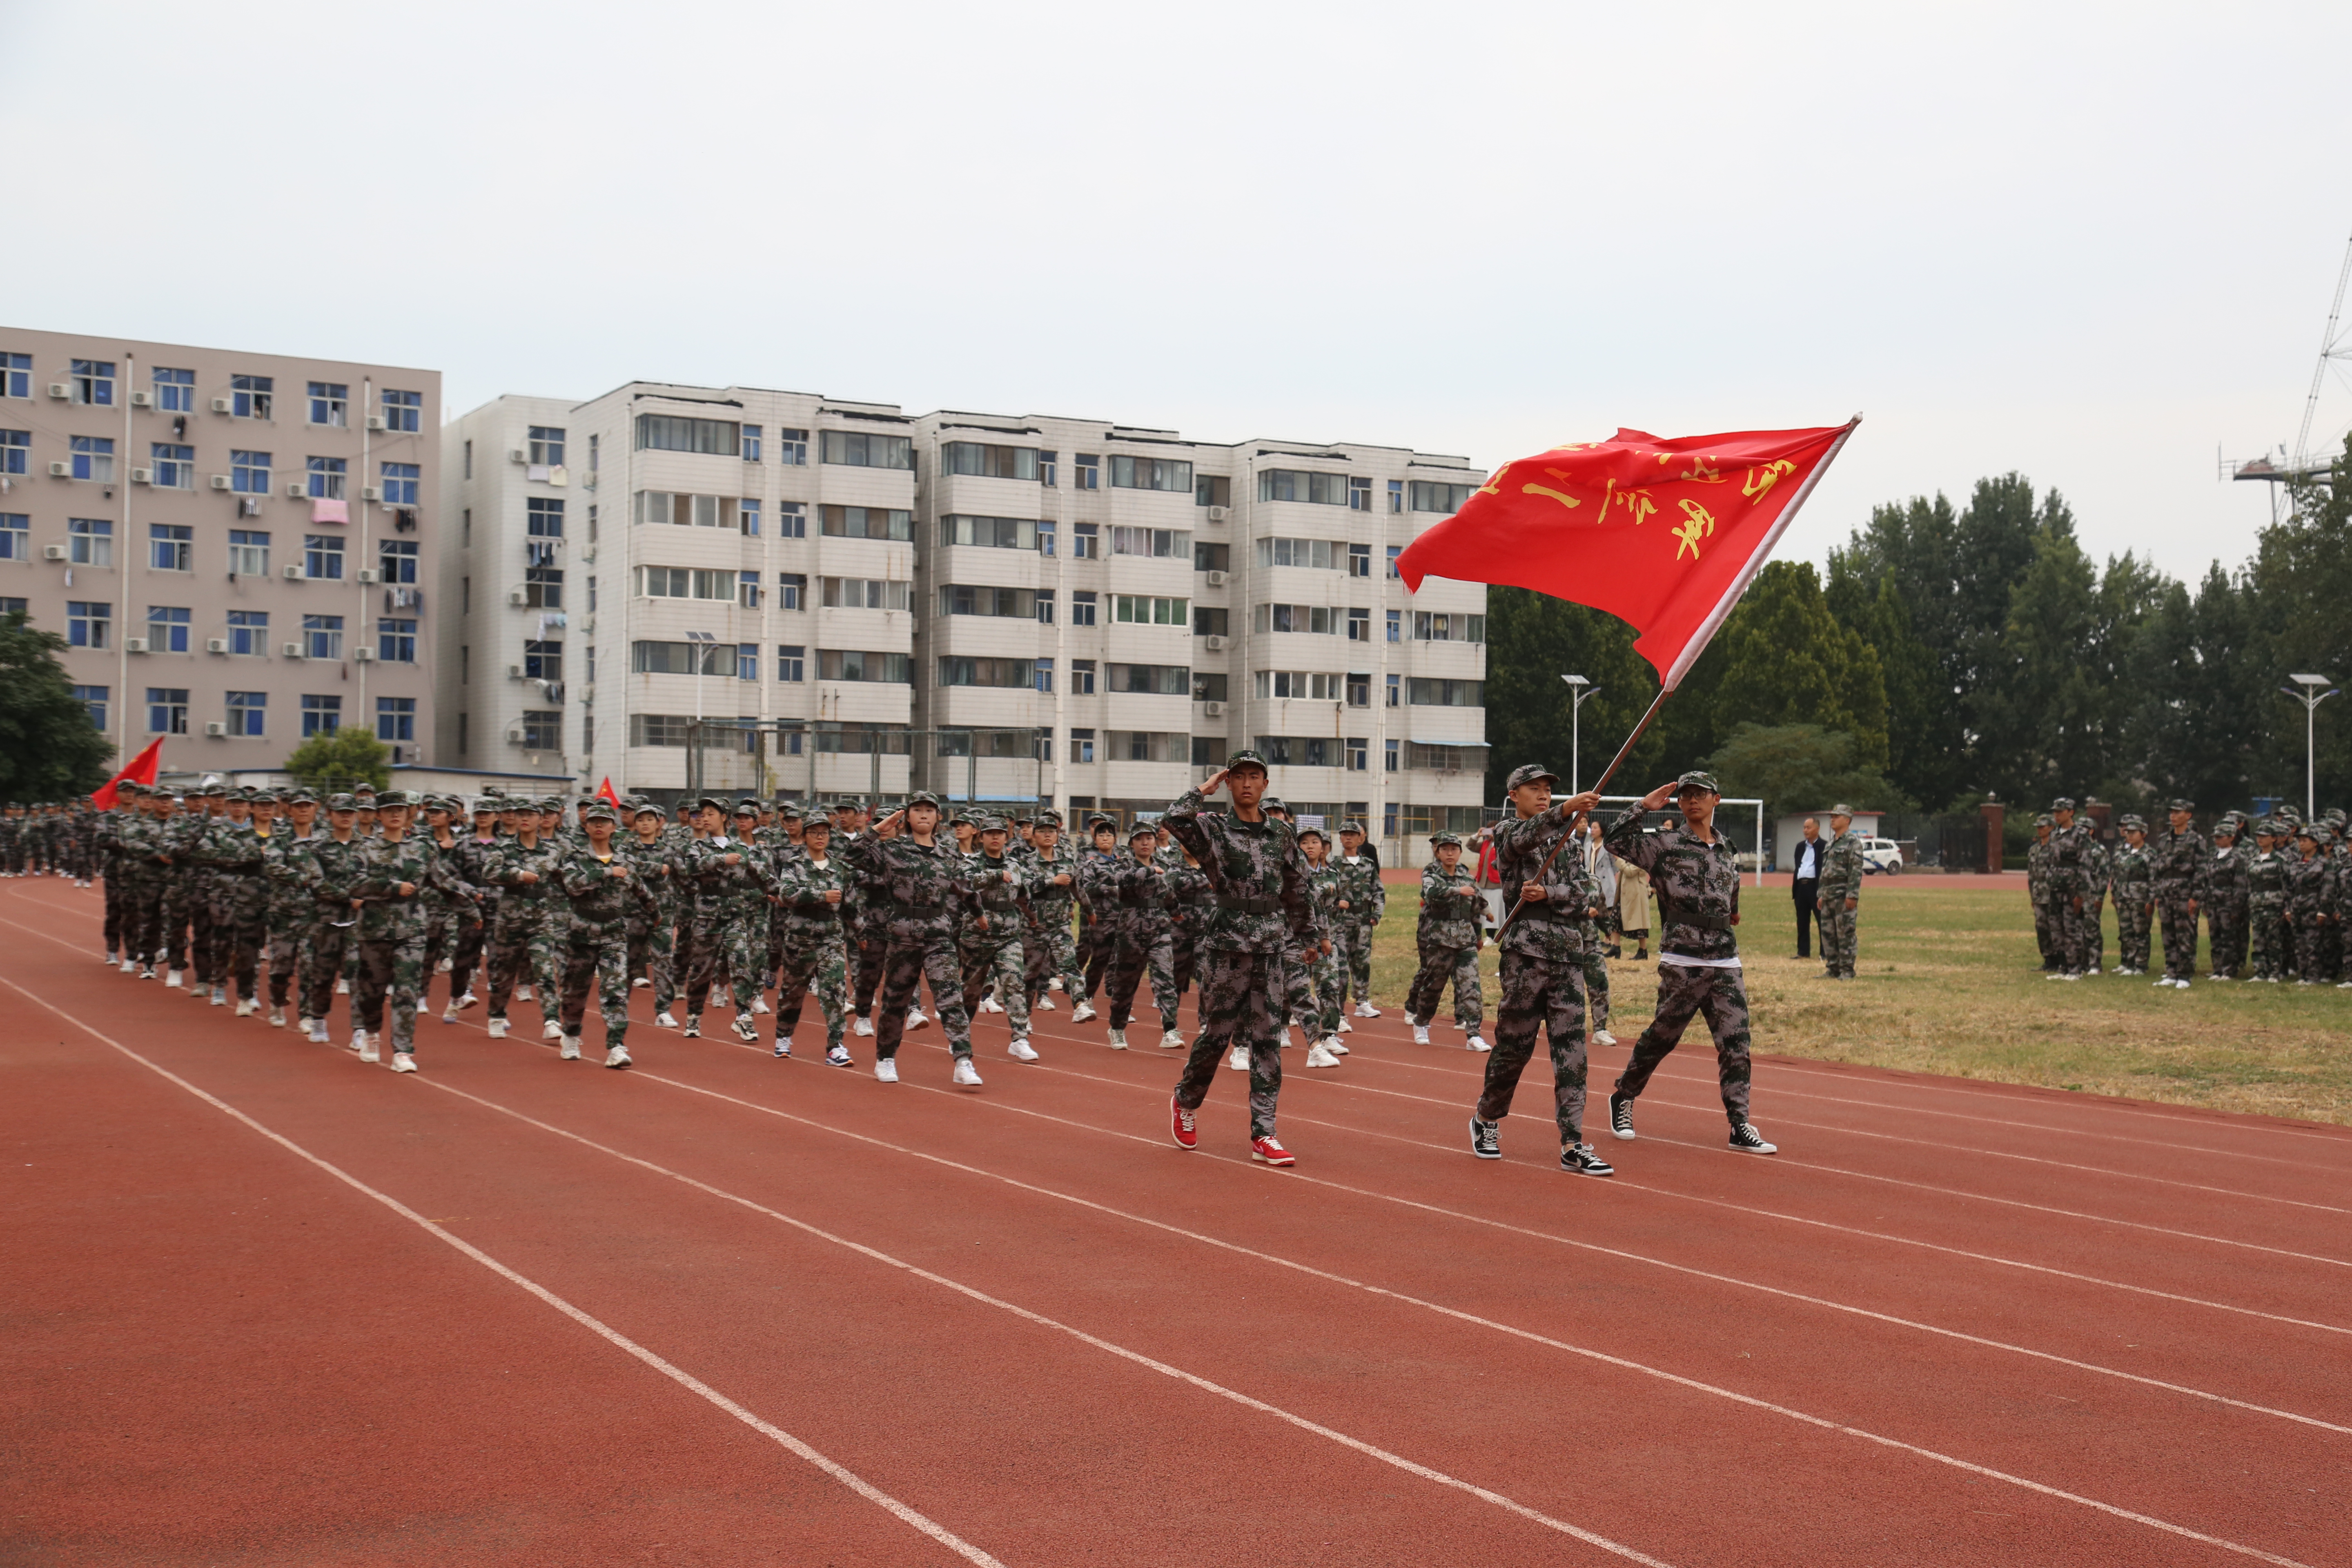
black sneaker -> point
(1746, 1140)
(1620, 1117)
(1579, 1159)
(693, 1030)
(1485, 1138)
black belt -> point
(1242, 906)
(1683, 914)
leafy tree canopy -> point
(48, 748)
(341, 760)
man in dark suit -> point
(1808, 868)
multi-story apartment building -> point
(997, 608)
(235, 547)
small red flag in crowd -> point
(141, 771)
(604, 792)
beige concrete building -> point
(238, 547)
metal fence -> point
(998, 765)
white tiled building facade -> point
(1010, 609)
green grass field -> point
(1949, 981)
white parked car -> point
(1881, 855)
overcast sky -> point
(2092, 244)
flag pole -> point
(1598, 785)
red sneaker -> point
(1180, 1124)
(1270, 1150)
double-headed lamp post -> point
(2311, 697)
(1580, 689)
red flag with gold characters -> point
(604, 792)
(140, 771)
(1663, 534)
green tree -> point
(1787, 661)
(2300, 582)
(341, 760)
(48, 748)
(1801, 767)
(1533, 639)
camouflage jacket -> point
(378, 872)
(1047, 902)
(1327, 890)
(2098, 867)
(996, 900)
(1554, 926)
(1191, 901)
(439, 899)
(2133, 878)
(658, 870)
(1257, 874)
(1840, 868)
(2037, 871)
(1098, 871)
(2069, 877)
(1359, 882)
(925, 886)
(2308, 887)
(737, 892)
(2266, 875)
(2178, 862)
(330, 868)
(1452, 907)
(1139, 891)
(801, 885)
(601, 902)
(472, 858)
(2226, 885)
(1696, 886)
(522, 903)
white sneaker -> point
(1476, 1043)
(1047, 1004)
(2180, 985)
(663, 1020)
(1173, 1040)
(1118, 1039)
(966, 1074)
(1346, 1028)
(449, 1014)
(278, 1017)
(1331, 1043)
(618, 1056)
(423, 1007)
(1318, 1056)
(570, 1051)
(1084, 1013)
(359, 1039)
(343, 988)
(367, 1051)
(462, 1003)
(220, 995)
(248, 1008)
(314, 1030)
(1421, 1034)
(745, 1030)
(1284, 1038)
(107, 959)
(129, 966)
(522, 993)
(1366, 1010)
(783, 1045)
(497, 1028)
(551, 1030)
(403, 1061)
(2162, 980)
(916, 1019)
(444, 966)
(989, 1005)
(1020, 1050)
(886, 1069)
(1604, 1037)
(759, 1005)
(1052, 984)
(865, 1027)
(1237, 1059)
(171, 981)
(640, 984)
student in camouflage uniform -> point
(1323, 965)
(525, 930)
(1544, 878)
(2133, 879)
(869, 920)
(1838, 897)
(447, 918)
(1142, 933)
(136, 838)
(2099, 866)
(105, 844)
(471, 853)
(605, 888)
(1099, 920)
(235, 851)
(1260, 882)
(328, 866)
(2068, 882)
(652, 925)
(1297, 997)
(2309, 915)
(2266, 933)
(732, 875)
(1053, 949)
(2037, 892)
(2225, 897)
(811, 889)
(390, 871)
(2177, 858)
(1697, 881)
(285, 867)
(1449, 933)
(926, 883)
(989, 938)
(1191, 903)
(779, 838)
(1367, 904)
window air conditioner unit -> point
(1213, 709)
(291, 571)
(367, 577)
(61, 471)
(1216, 579)
(222, 405)
(295, 490)
(60, 391)
(53, 553)
(216, 645)
(142, 475)
(371, 492)
(587, 623)
(141, 399)
(514, 734)
(1216, 643)
(375, 422)
(362, 655)
(290, 650)
(517, 597)
(517, 455)
(514, 672)
(134, 645)
(1217, 513)
(216, 727)
(220, 481)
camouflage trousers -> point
(1298, 1003)
(1325, 976)
(522, 952)
(1596, 985)
(1188, 960)
(1838, 942)
(596, 953)
(1721, 998)
(1098, 944)
(1355, 945)
(821, 968)
(867, 957)
(325, 945)
(1001, 962)
(114, 907)
(1237, 992)
(2228, 939)
(245, 927)
(283, 950)
(473, 941)
(652, 938)
(1131, 959)
(2044, 933)
(1052, 954)
(142, 920)
(2267, 937)
(2179, 937)
(390, 967)
(731, 956)
(2313, 943)
(1439, 964)
(1547, 993)
(444, 936)
(2095, 931)
(905, 967)
(2132, 921)
(171, 937)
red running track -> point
(269, 1305)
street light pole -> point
(2311, 697)
(1577, 689)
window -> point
(545, 447)
(174, 466)
(326, 478)
(591, 664)
(990, 462)
(1395, 551)
(1359, 560)
(1208, 688)
(1313, 687)
(542, 730)
(322, 556)
(404, 412)
(93, 383)
(854, 664)
(672, 433)
(658, 728)
(1082, 607)
(248, 633)
(857, 449)
(685, 510)
(1422, 693)
(1300, 751)
(15, 450)
(1317, 619)
(1396, 504)
(396, 562)
(792, 590)
(1045, 675)
(1148, 474)
(92, 698)
(1446, 759)
(747, 662)
(330, 404)
(167, 709)
(1015, 672)
(1149, 746)
(396, 718)
(1389, 763)
(1212, 557)
(1213, 489)
(866, 523)
(1396, 625)
(1157, 542)
(1358, 754)
(792, 520)
(396, 640)
(1359, 626)
(1085, 541)
(248, 713)
(89, 541)
(747, 517)
(17, 378)
(248, 552)
(249, 396)
(1082, 678)
(1207, 623)
(1048, 464)
(466, 529)
(1448, 498)
(1082, 745)
(791, 447)
(167, 628)
(963, 599)
(997, 532)
(15, 536)
(747, 590)
(1206, 749)
(1360, 689)
(322, 715)
(752, 442)
(399, 483)
(684, 582)
(792, 661)
(1045, 606)
(866, 593)
(1393, 688)
(542, 587)
(1298, 485)
(248, 473)
(322, 637)
(169, 546)
(93, 459)
(648, 659)
(543, 516)
(1160, 680)
(1322, 554)
(1088, 474)
(1359, 494)
(469, 459)
(1143, 610)
(1430, 625)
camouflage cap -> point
(991, 825)
(2130, 820)
(789, 808)
(394, 797)
(1439, 841)
(601, 807)
(1527, 773)
(1351, 825)
(1099, 821)
(2317, 832)
(964, 816)
(2045, 820)
(339, 801)
(301, 797)
(504, 803)
(924, 797)
(646, 808)
(1245, 758)
(364, 789)
(1841, 810)
(2064, 803)
(2266, 827)
(2334, 814)
(711, 803)
(1307, 833)
(747, 806)
(1697, 779)
(1143, 830)
(1049, 819)
(847, 802)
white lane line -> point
(685, 1379)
